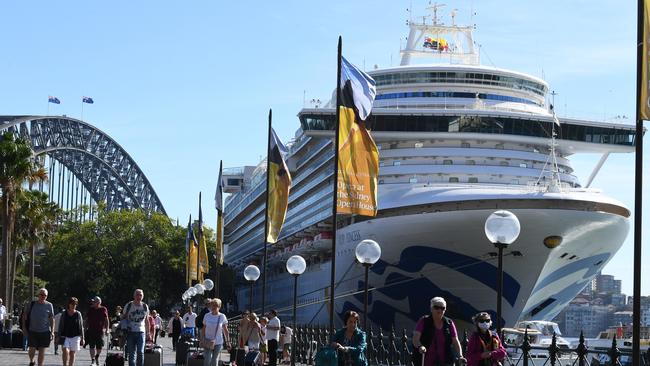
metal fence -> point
(392, 349)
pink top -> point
(435, 352)
(475, 348)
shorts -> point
(39, 339)
(72, 343)
(286, 347)
(95, 340)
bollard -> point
(525, 348)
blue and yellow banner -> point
(279, 186)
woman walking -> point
(214, 333)
(71, 332)
(435, 337)
(484, 348)
(350, 342)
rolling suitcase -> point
(252, 358)
(6, 339)
(194, 359)
(237, 356)
(153, 356)
(182, 349)
(114, 359)
(17, 339)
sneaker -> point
(32, 363)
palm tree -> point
(15, 166)
(36, 219)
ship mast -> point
(444, 43)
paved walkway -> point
(16, 357)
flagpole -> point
(336, 180)
(638, 192)
(266, 217)
(219, 234)
(198, 245)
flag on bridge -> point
(191, 251)
(218, 204)
(358, 156)
(88, 100)
(279, 184)
(55, 100)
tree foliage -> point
(117, 253)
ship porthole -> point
(552, 241)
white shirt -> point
(137, 315)
(189, 319)
(286, 337)
(57, 319)
(157, 321)
(214, 326)
(273, 333)
(3, 312)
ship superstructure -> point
(457, 141)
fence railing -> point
(390, 348)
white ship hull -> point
(432, 246)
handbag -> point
(326, 356)
(208, 344)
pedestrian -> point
(3, 315)
(243, 329)
(117, 315)
(189, 322)
(157, 321)
(38, 320)
(436, 338)
(136, 313)
(273, 337)
(57, 320)
(71, 332)
(174, 328)
(350, 341)
(254, 333)
(214, 333)
(98, 326)
(151, 329)
(484, 347)
(286, 334)
(264, 347)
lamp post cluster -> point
(502, 229)
(198, 289)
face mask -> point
(485, 326)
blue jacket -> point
(357, 346)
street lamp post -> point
(296, 265)
(367, 253)
(502, 229)
(251, 274)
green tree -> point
(16, 165)
(117, 253)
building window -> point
(453, 179)
(472, 180)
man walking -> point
(273, 337)
(3, 315)
(97, 320)
(189, 322)
(136, 312)
(39, 321)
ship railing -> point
(501, 107)
(391, 348)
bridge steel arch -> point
(102, 166)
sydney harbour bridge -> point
(85, 165)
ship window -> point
(465, 145)
(504, 163)
(453, 179)
(413, 180)
(470, 162)
(514, 181)
(523, 165)
(397, 163)
(379, 147)
(381, 181)
(472, 180)
(381, 163)
(447, 162)
(418, 145)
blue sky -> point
(181, 85)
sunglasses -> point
(42, 294)
(438, 307)
(484, 321)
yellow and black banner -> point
(204, 267)
(644, 103)
(358, 156)
(279, 185)
(192, 254)
(218, 204)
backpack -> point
(25, 316)
(326, 356)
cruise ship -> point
(457, 141)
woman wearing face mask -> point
(484, 348)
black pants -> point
(273, 352)
(174, 339)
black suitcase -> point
(252, 358)
(17, 339)
(237, 356)
(153, 356)
(182, 349)
(114, 359)
(6, 339)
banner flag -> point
(191, 251)
(204, 267)
(279, 186)
(358, 156)
(644, 103)
(218, 204)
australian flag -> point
(88, 100)
(55, 100)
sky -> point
(182, 85)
